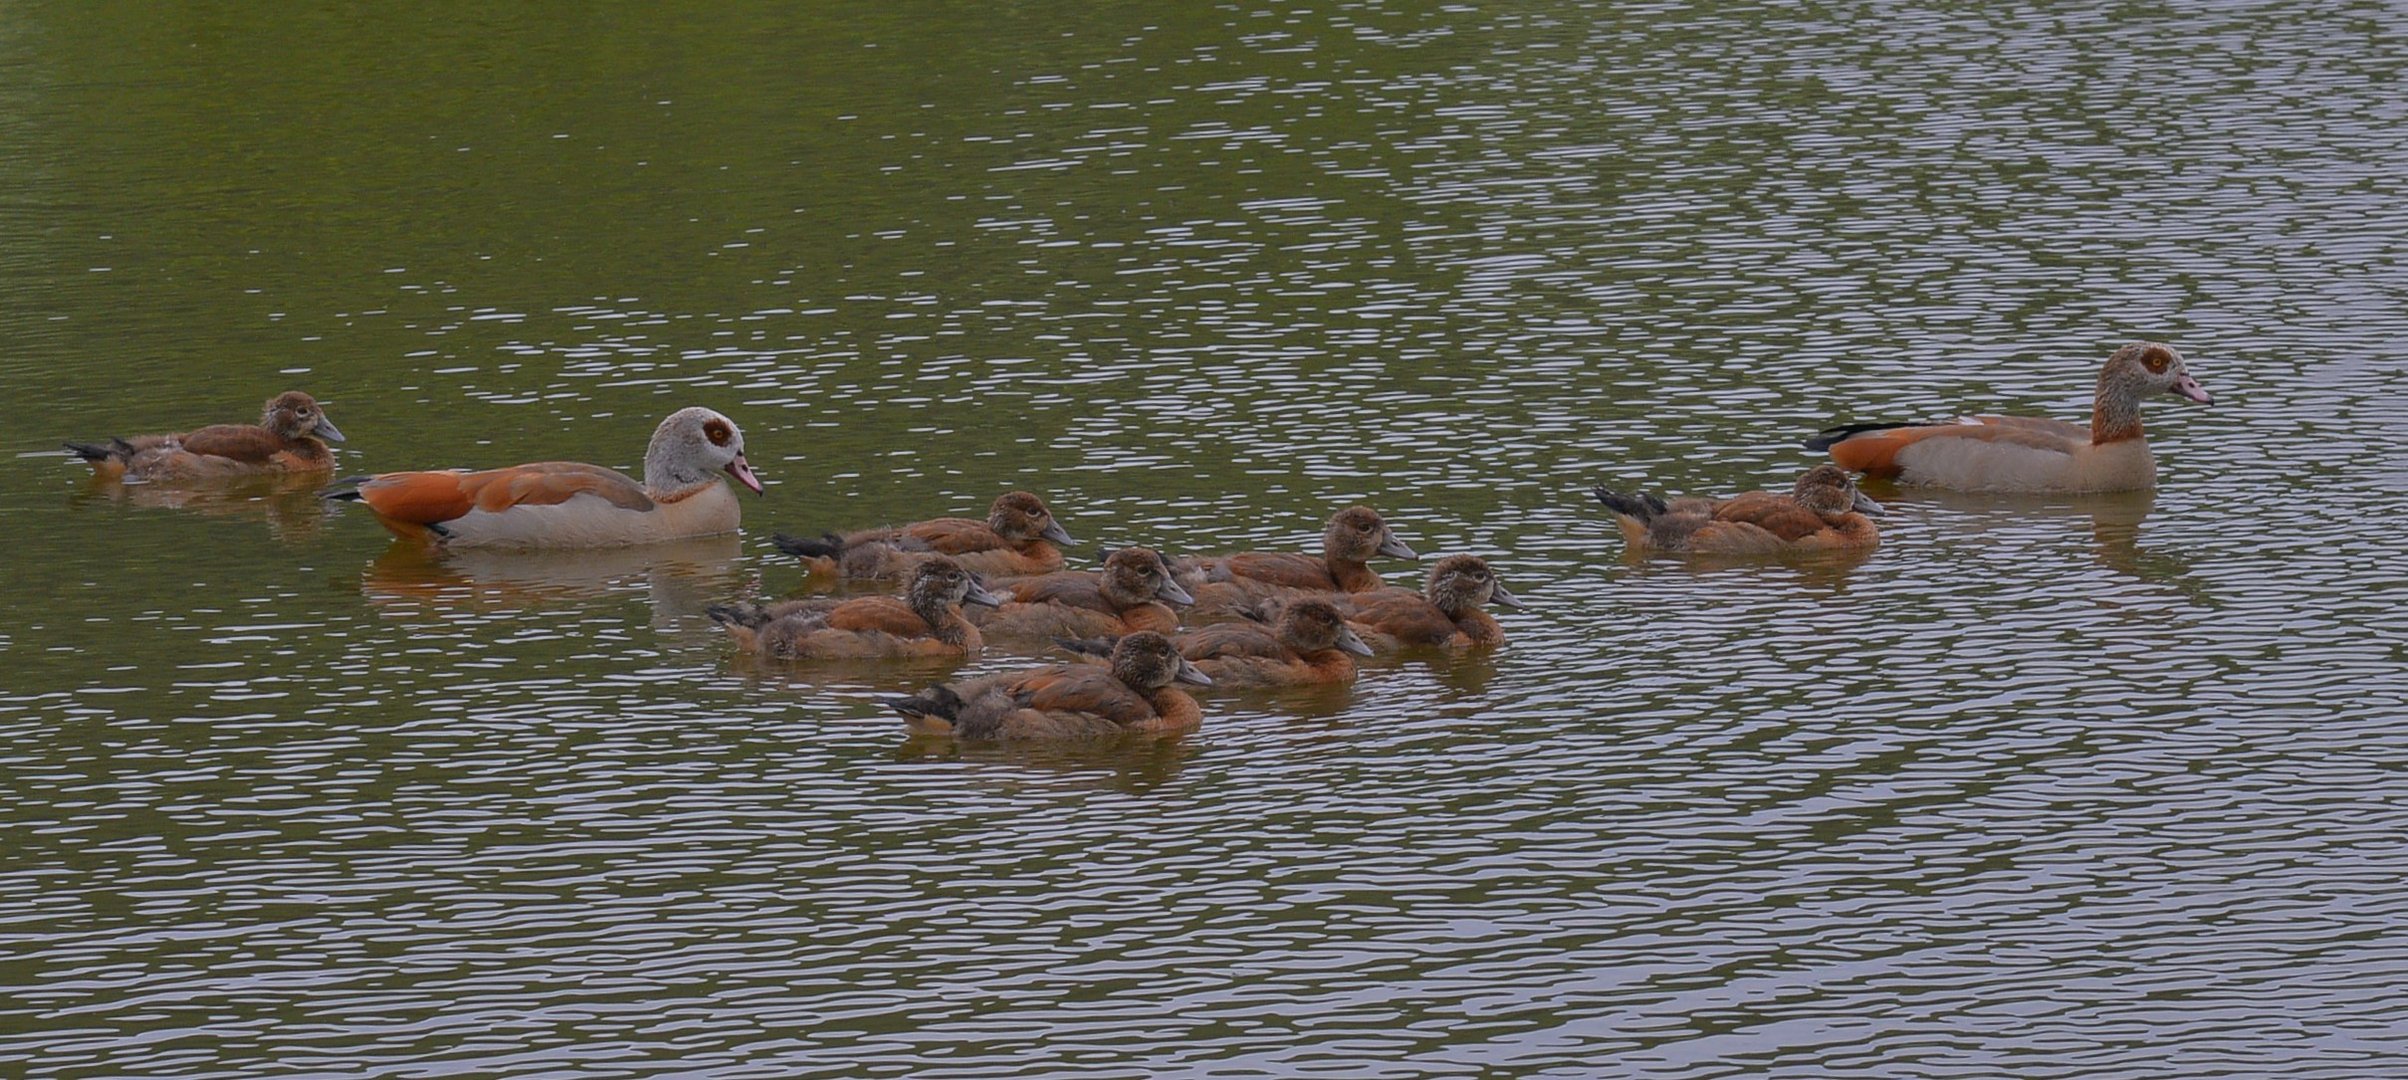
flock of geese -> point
(1142, 624)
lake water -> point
(2111, 787)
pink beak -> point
(2188, 387)
(744, 474)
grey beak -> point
(1865, 506)
(981, 595)
(1497, 595)
(1396, 549)
(1169, 592)
(1056, 533)
(1352, 642)
(326, 430)
(1188, 673)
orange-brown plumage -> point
(1308, 642)
(1445, 613)
(2023, 453)
(1018, 537)
(1132, 592)
(1132, 694)
(1822, 512)
(291, 436)
(925, 621)
(1226, 583)
(569, 504)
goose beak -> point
(1352, 642)
(1865, 506)
(326, 430)
(744, 474)
(1056, 533)
(1396, 549)
(2187, 387)
(981, 595)
(1188, 673)
(1498, 596)
(1169, 592)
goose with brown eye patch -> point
(2023, 453)
(291, 437)
(1018, 537)
(563, 504)
(1823, 511)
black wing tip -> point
(1086, 646)
(93, 452)
(1637, 504)
(936, 702)
(1833, 436)
(741, 613)
(346, 489)
(823, 546)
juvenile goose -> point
(569, 504)
(1132, 592)
(2020, 453)
(1018, 537)
(290, 437)
(1308, 642)
(1225, 584)
(1823, 512)
(1445, 614)
(1131, 694)
(925, 621)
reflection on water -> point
(2113, 520)
(679, 578)
(288, 504)
(2110, 787)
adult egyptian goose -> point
(1823, 512)
(1308, 642)
(1132, 694)
(290, 437)
(564, 504)
(2020, 453)
(925, 621)
(1018, 537)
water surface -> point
(2107, 786)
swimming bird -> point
(1226, 584)
(290, 437)
(1018, 537)
(1445, 613)
(1822, 512)
(1307, 642)
(569, 504)
(925, 621)
(1133, 591)
(2020, 453)
(1131, 694)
